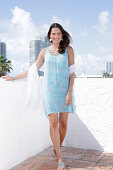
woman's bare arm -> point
(71, 61)
(39, 62)
(68, 99)
(41, 57)
(21, 76)
(11, 78)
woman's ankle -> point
(60, 159)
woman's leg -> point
(63, 120)
(54, 133)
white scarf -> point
(34, 88)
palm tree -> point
(75, 76)
(105, 74)
(5, 65)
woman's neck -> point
(55, 46)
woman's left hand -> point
(68, 99)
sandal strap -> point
(62, 164)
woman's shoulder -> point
(70, 50)
(43, 51)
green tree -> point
(5, 65)
(105, 74)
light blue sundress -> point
(56, 84)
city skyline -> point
(89, 23)
(3, 49)
(109, 67)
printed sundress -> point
(56, 84)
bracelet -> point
(14, 77)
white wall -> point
(24, 132)
(92, 127)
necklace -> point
(53, 52)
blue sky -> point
(89, 22)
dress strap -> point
(66, 53)
(66, 50)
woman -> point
(59, 76)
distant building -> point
(35, 48)
(2, 49)
(109, 67)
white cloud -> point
(85, 31)
(109, 57)
(18, 67)
(65, 23)
(90, 64)
(103, 49)
(18, 31)
(103, 20)
(45, 27)
(80, 61)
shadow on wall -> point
(79, 136)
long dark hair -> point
(66, 37)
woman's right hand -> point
(8, 78)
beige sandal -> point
(62, 165)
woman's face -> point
(56, 35)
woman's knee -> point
(53, 120)
(63, 124)
(63, 119)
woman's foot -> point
(61, 166)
